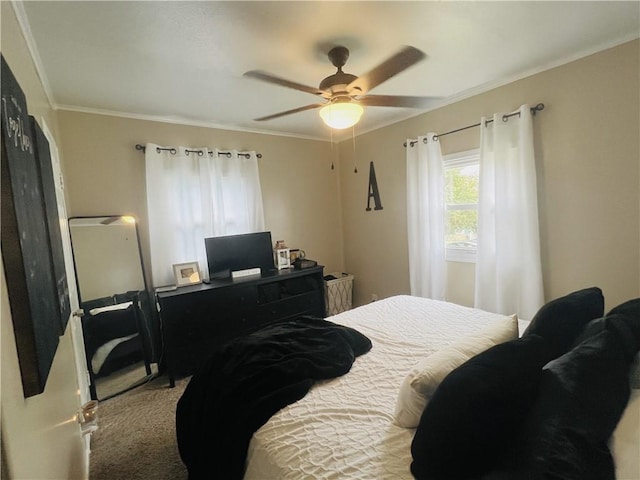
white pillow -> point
(409, 405)
(419, 385)
(625, 441)
(110, 308)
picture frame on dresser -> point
(186, 273)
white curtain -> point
(508, 268)
(197, 193)
(425, 218)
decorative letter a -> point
(373, 189)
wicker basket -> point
(338, 292)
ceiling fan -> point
(345, 94)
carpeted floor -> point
(136, 438)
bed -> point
(347, 427)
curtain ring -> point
(171, 150)
(435, 138)
(228, 154)
(200, 153)
(505, 118)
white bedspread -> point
(343, 428)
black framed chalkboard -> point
(26, 251)
(47, 182)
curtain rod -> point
(173, 151)
(535, 109)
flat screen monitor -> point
(229, 253)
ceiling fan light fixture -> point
(340, 115)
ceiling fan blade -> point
(267, 77)
(289, 112)
(397, 101)
(387, 69)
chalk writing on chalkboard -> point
(15, 126)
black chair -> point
(106, 325)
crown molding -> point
(180, 121)
(25, 27)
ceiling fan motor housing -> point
(337, 82)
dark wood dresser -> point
(194, 319)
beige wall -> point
(588, 169)
(40, 436)
(104, 175)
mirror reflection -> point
(117, 312)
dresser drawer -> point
(305, 304)
(237, 296)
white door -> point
(75, 323)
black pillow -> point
(592, 328)
(562, 320)
(630, 308)
(477, 409)
(623, 319)
(581, 398)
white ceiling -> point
(183, 61)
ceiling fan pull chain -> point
(331, 140)
(353, 138)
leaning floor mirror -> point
(117, 323)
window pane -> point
(461, 228)
(461, 184)
(461, 199)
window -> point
(461, 205)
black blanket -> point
(249, 379)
